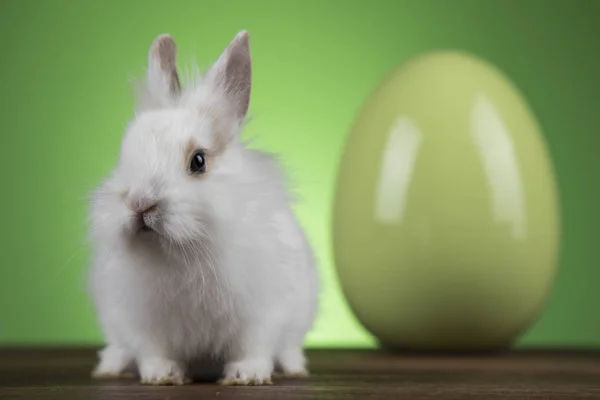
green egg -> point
(445, 219)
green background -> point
(65, 97)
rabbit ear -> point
(162, 79)
(232, 73)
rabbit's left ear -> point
(162, 79)
(232, 74)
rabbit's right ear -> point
(161, 77)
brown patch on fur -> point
(221, 134)
(232, 76)
(165, 50)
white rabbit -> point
(196, 249)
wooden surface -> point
(65, 374)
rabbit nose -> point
(145, 208)
(142, 204)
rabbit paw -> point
(160, 372)
(115, 363)
(248, 373)
(291, 364)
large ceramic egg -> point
(445, 219)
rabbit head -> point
(180, 157)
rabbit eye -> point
(198, 163)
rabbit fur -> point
(198, 265)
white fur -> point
(230, 274)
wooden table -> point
(65, 374)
